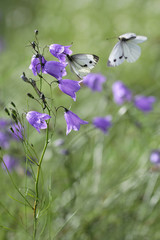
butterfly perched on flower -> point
(81, 64)
(126, 49)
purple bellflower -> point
(121, 93)
(103, 123)
(10, 162)
(144, 103)
(37, 120)
(155, 157)
(37, 64)
(94, 81)
(73, 121)
(69, 87)
(55, 69)
(60, 51)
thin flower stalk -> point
(37, 182)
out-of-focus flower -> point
(103, 123)
(60, 51)
(144, 103)
(73, 121)
(121, 93)
(5, 140)
(69, 87)
(58, 142)
(55, 69)
(18, 131)
(4, 123)
(37, 64)
(155, 157)
(94, 81)
(37, 120)
(10, 162)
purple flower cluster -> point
(123, 94)
(56, 69)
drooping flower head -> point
(37, 64)
(69, 87)
(94, 81)
(10, 162)
(103, 123)
(73, 121)
(55, 69)
(155, 157)
(37, 120)
(121, 93)
(60, 51)
(144, 103)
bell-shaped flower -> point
(155, 157)
(143, 103)
(60, 51)
(55, 69)
(94, 81)
(121, 93)
(37, 120)
(69, 87)
(73, 121)
(103, 123)
(37, 64)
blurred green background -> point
(106, 187)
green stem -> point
(37, 182)
(16, 185)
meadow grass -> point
(105, 186)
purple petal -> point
(94, 81)
(37, 120)
(103, 123)
(69, 87)
(73, 121)
(144, 103)
(121, 93)
(55, 69)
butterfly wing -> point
(81, 64)
(116, 57)
(139, 39)
(131, 51)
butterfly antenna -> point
(110, 38)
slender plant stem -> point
(16, 185)
(37, 182)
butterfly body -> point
(81, 64)
(126, 49)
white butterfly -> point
(81, 64)
(126, 49)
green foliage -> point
(105, 188)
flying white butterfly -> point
(81, 64)
(126, 49)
